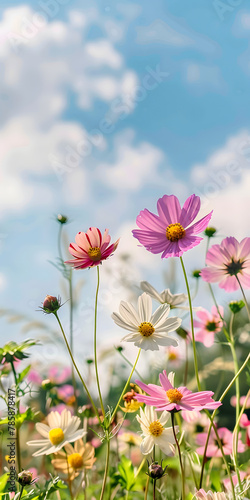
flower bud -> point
(210, 232)
(236, 305)
(47, 384)
(25, 477)
(196, 273)
(62, 219)
(155, 470)
(182, 332)
(51, 304)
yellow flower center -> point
(175, 232)
(94, 253)
(75, 460)
(155, 428)
(174, 395)
(172, 356)
(56, 435)
(146, 329)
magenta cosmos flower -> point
(168, 398)
(208, 325)
(213, 449)
(228, 264)
(168, 232)
(91, 248)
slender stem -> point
(180, 459)
(146, 489)
(244, 297)
(106, 470)
(192, 325)
(237, 387)
(76, 368)
(71, 342)
(125, 387)
(140, 467)
(21, 492)
(95, 343)
(214, 413)
(129, 363)
(154, 489)
(18, 449)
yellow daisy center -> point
(146, 329)
(172, 356)
(155, 428)
(75, 460)
(175, 232)
(174, 395)
(94, 253)
(56, 435)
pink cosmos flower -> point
(233, 401)
(91, 248)
(244, 422)
(227, 263)
(227, 482)
(168, 232)
(213, 449)
(168, 398)
(209, 324)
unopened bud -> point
(25, 477)
(51, 304)
(196, 273)
(62, 219)
(210, 231)
(182, 332)
(155, 470)
(47, 384)
(236, 305)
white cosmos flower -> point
(165, 297)
(154, 432)
(61, 429)
(147, 331)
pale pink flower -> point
(227, 482)
(58, 375)
(208, 325)
(245, 422)
(210, 495)
(233, 401)
(227, 263)
(213, 450)
(166, 397)
(168, 233)
(91, 248)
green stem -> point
(213, 415)
(237, 388)
(146, 489)
(106, 470)
(95, 343)
(140, 467)
(131, 364)
(18, 448)
(192, 325)
(21, 492)
(125, 387)
(154, 489)
(71, 342)
(244, 297)
(76, 368)
(180, 459)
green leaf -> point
(125, 477)
(3, 481)
(23, 374)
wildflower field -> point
(180, 428)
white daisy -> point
(61, 429)
(154, 432)
(165, 297)
(147, 331)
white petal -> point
(146, 287)
(131, 337)
(54, 419)
(128, 312)
(147, 343)
(160, 315)
(120, 322)
(164, 417)
(145, 307)
(164, 340)
(169, 325)
(43, 430)
(147, 445)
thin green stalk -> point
(21, 492)
(180, 459)
(192, 325)
(140, 467)
(95, 343)
(214, 413)
(76, 368)
(244, 297)
(106, 470)
(18, 448)
(146, 489)
(154, 489)
(125, 387)
(237, 390)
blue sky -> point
(105, 108)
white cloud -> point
(133, 167)
(204, 77)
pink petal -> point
(164, 381)
(169, 209)
(82, 241)
(216, 257)
(229, 283)
(190, 210)
(244, 248)
(212, 275)
(199, 226)
(147, 220)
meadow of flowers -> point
(180, 431)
